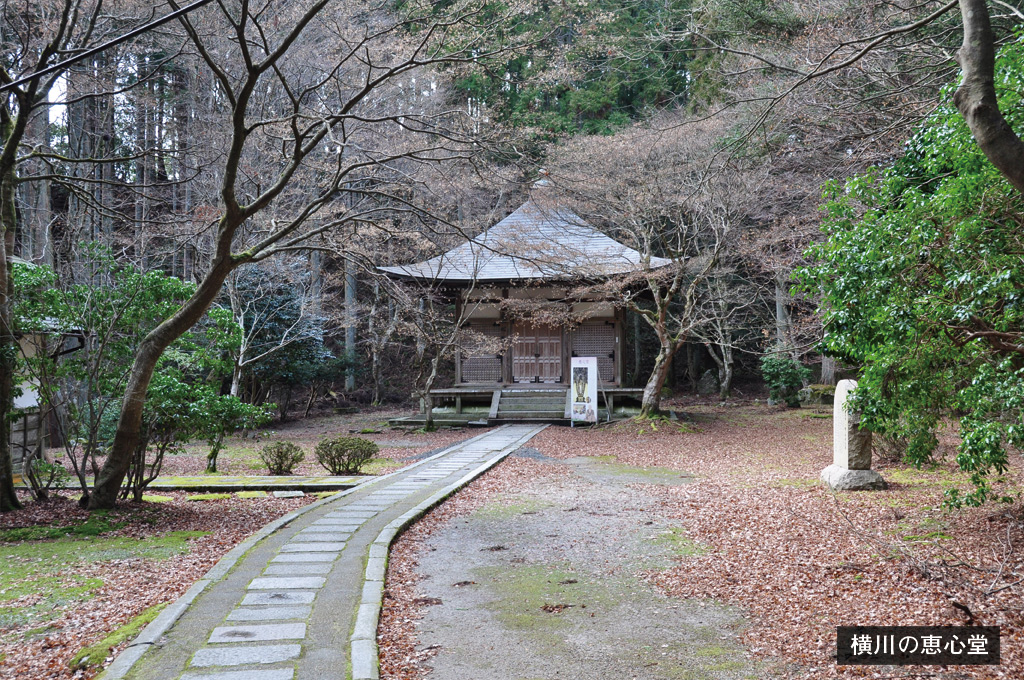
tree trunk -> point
(8, 343)
(637, 354)
(108, 483)
(350, 322)
(211, 457)
(828, 370)
(692, 367)
(782, 323)
(976, 96)
(725, 361)
(725, 374)
(428, 400)
(651, 403)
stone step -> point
(531, 406)
(514, 415)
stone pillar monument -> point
(851, 458)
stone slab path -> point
(300, 601)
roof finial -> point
(543, 181)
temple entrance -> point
(537, 353)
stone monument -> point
(851, 448)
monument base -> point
(840, 479)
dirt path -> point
(548, 583)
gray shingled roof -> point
(532, 243)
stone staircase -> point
(530, 404)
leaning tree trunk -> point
(976, 96)
(8, 343)
(127, 438)
(651, 402)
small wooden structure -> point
(531, 259)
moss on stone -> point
(209, 496)
(251, 494)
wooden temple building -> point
(534, 259)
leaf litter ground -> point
(760, 533)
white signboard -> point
(583, 389)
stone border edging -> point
(130, 655)
(364, 661)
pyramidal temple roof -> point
(534, 242)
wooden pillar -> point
(458, 348)
(506, 332)
(620, 344)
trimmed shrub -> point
(281, 457)
(345, 455)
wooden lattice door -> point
(597, 339)
(537, 353)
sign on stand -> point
(584, 389)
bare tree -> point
(310, 117)
(648, 188)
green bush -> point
(281, 457)
(345, 455)
(784, 377)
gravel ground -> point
(745, 543)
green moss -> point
(35, 559)
(148, 498)
(930, 536)
(99, 523)
(209, 496)
(251, 494)
(936, 477)
(523, 591)
(798, 483)
(679, 544)
(325, 494)
(96, 654)
(56, 594)
(506, 506)
(46, 569)
(377, 465)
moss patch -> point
(935, 477)
(152, 498)
(99, 523)
(378, 465)
(209, 496)
(40, 569)
(524, 592)
(506, 506)
(251, 494)
(676, 541)
(96, 654)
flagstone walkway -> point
(301, 599)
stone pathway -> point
(300, 601)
